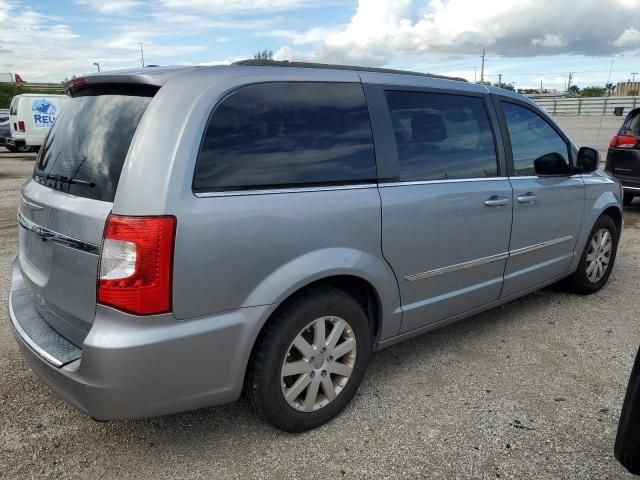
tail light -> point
(136, 264)
(623, 141)
(21, 126)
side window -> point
(13, 108)
(441, 136)
(532, 138)
(287, 134)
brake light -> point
(623, 141)
(21, 126)
(79, 81)
(136, 264)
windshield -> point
(87, 145)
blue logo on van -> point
(44, 113)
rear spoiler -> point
(149, 79)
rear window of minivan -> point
(288, 134)
(85, 149)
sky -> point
(527, 41)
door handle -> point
(528, 198)
(496, 201)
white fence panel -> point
(588, 105)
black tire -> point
(627, 447)
(263, 382)
(579, 281)
(628, 198)
(24, 149)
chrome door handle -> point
(496, 201)
(528, 198)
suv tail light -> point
(623, 141)
(21, 126)
(136, 264)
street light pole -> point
(97, 65)
(141, 54)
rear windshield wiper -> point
(63, 179)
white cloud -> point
(383, 29)
(629, 38)
(312, 35)
(110, 6)
(550, 40)
(218, 6)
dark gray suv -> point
(190, 233)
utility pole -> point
(484, 54)
(633, 77)
(475, 76)
(500, 80)
(141, 55)
(540, 85)
(569, 81)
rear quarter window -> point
(274, 135)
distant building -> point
(623, 88)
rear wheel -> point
(310, 361)
(22, 149)
(597, 258)
(628, 198)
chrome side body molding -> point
(489, 259)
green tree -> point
(263, 55)
(592, 91)
(506, 86)
(574, 90)
(633, 93)
(10, 90)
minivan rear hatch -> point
(624, 149)
(65, 206)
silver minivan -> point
(190, 234)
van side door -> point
(446, 209)
(547, 209)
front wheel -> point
(310, 361)
(597, 258)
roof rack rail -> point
(330, 66)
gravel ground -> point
(532, 389)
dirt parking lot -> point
(529, 390)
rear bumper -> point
(135, 367)
(15, 142)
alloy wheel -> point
(599, 255)
(318, 363)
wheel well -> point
(356, 287)
(616, 216)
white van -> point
(31, 116)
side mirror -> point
(588, 160)
(552, 164)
